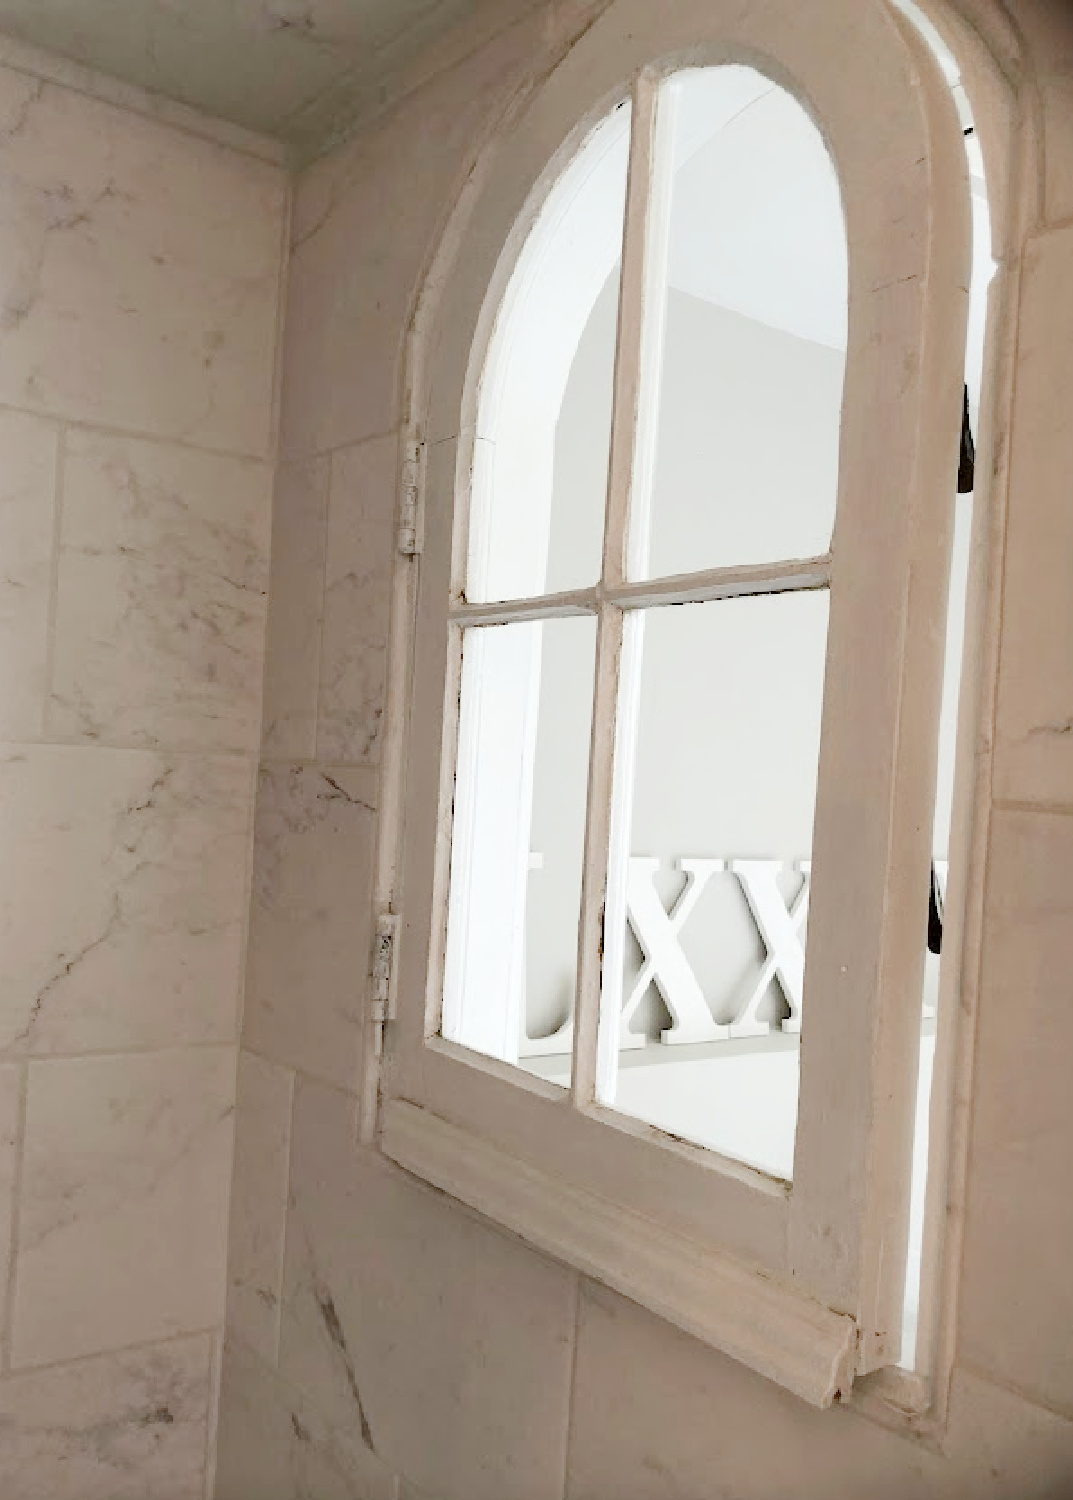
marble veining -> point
(310, 918)
(399, 1307)
(275, 1445)
(357, 592)
(123, 1229)
(122, 895)
(139, 272)
(117, 1427)
(27, 519)
(295, 609)
(162, 596)
(259, 1201)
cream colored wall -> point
(384, 1341)
(140, 273)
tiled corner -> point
(357, 601)
(310, 921)
(273, 1445)
(295, 609)
(117, 1427)
(443, 1343)
(259, 1202)
(1034, 729)
(123, 1225)
(27, 524)
(139, 272)
(122, 897)
(162, 596)
(1016, 1288)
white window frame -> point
(745, 1263)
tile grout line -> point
(571, 1387)
(166, 753)
(329, 461)
(8, 1309)
(138, 435)
(59, 481)
(95, 1054)
(277, 1340)
(212, 1413)
(116, 1351)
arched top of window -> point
(746, 322)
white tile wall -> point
(161, 596)
(296, 609)
(446, 1344)
(140, 278)
(259, 1202)
(120, 1426)
(122, 897)
(357, 592)
(310, 930)
(139, 272)
(122, 1234)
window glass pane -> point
(738, 444)
(708, 900)
(544, 417)
(519, 827)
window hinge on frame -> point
(411, 501)
(385, 947)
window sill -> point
(743, 1312)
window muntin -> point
(735, 461)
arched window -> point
(691, 417)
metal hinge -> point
(383, 975)
(411, 510)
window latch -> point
(382, 1008)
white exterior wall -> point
(384, 1340)
(140, 271)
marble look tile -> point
(1002, 1447)
(1016, 1292)
(1034, 729)
(27, 522)
(274, 1446)
(162, 596)
(122, 898)
(659, 1416)
(10, 1081)
(118, 1427)
(295, 610)
(310, 918)
(446, 1344)
(357, 601)
(139, 271)
(259, 1202)
(123, 1227)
